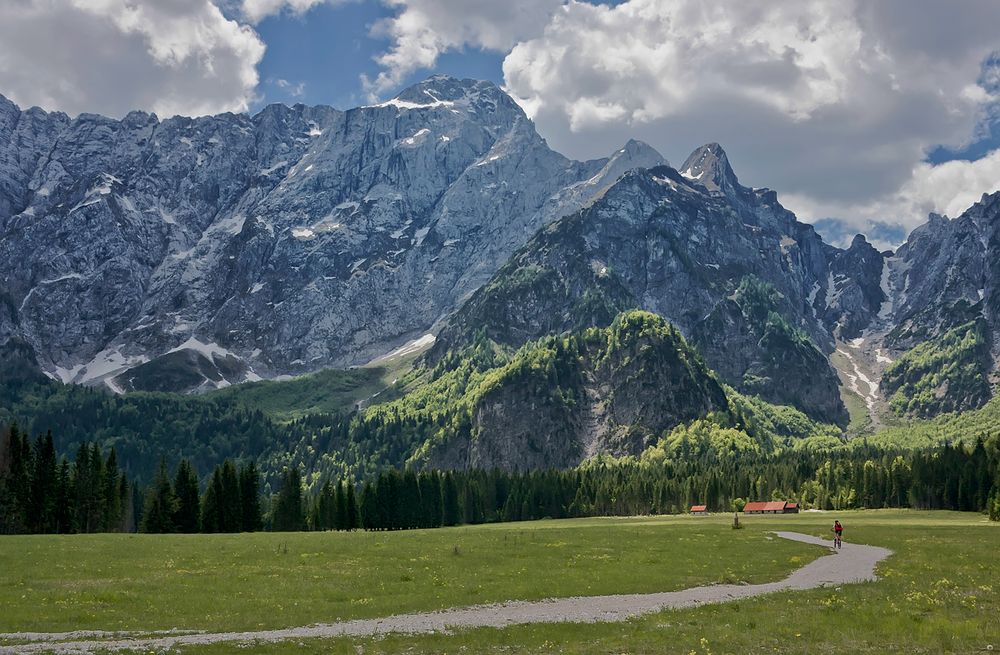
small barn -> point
(770, 507)
(699, 510)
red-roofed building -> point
(771, 507)
(699, 510)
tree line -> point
(40, 494)
(949, 477)
(231, 501)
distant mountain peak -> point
(7, 102)
(440, 89)
(635, 150)
(859, 241)
(709, 166)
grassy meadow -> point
(939, 593)
(274, 580)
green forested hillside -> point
(661, 381)
(636, 385)
(751, 343)
(945, 374)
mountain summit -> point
(709, 167)
(193, 253)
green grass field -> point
(268, 580)
(939, 593)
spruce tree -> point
(341, 520)
(43, 486)
(368, 511)
(64, 498)
(353, 513)
(161, 504)
(409, 501)
(188, 503)
(110, 500)
(250, 498)
(211, 505)
(288, 509)
(126, 497)
(430, 500)
(452, 512)
(15, 491)
(83, 490)
(324, 508)
(95, 517)
(231, 517)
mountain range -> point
(192, 254)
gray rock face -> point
(854, 294)
(666, 242)
(295, 239)
(946, 274)
(194, 253)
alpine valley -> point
(425, 282)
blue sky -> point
(330, 47)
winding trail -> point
(854, 563)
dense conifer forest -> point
(43, 492)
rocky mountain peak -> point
(230, 247)
(635, 150)
(7, 105)
(447, 91)
(709, 166)
(634, 154)
(860, 242)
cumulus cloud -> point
(422, 30)
(835, 103)
(824, 100)
(111, 56)
(294, 89)
(257, 10)
(948, 188)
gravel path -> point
(854, 563)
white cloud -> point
(948, 188)
(835, 103)
(257, 10)
(422, 30)
(824, 100)
(645, 60)
(296, 90)
(112, 56)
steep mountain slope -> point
(557, 401)
(232, 247)
(563, 400)
(190, 254)
(679, 244)
(754, 347)
(942, 317)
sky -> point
(850, 109)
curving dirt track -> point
(854, 563)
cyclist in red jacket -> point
(838, 531)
